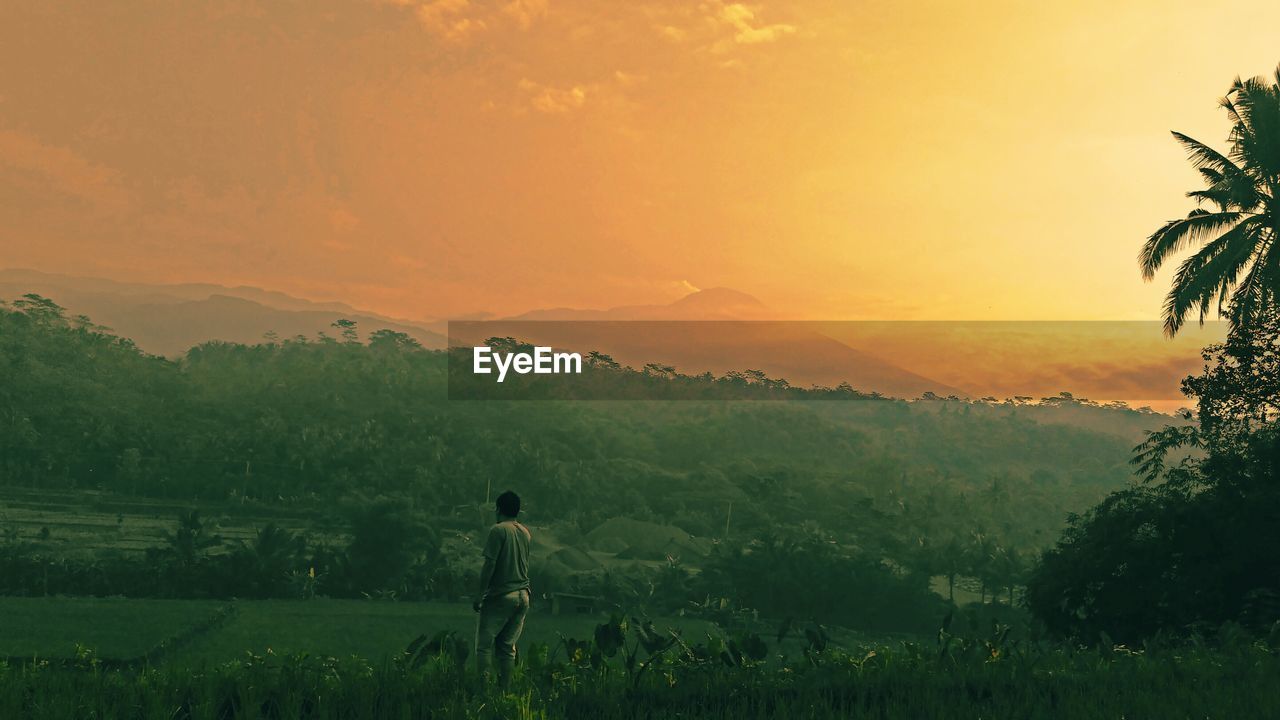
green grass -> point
(123, 628)
(1032, 682)
(115, 627)
(276, 659)
(369, 629)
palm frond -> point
(1260, 146)
(1221, 199)
(1211, 271)
(1258, 289)
(1233, 230)
(1240, 246)
(1226, 102)
(1210, 176)
(1177, 234)
(1203, 156)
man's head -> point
(508, 505)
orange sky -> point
(424, 158)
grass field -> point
(962, 679)
(86, 522)
(343, 659)
(122, 629)
(115, 627)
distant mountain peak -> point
(720, 297)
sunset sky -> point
(428, 158)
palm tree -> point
(1237, 267)
(189, 541)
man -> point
(504, 589)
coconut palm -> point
(1237, 267)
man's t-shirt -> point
(508, 549)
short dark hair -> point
(508, 504)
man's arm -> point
(492, 546)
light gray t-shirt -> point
(508, 549)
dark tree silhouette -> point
(1237, 267)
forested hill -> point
(310, 422)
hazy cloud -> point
(525, 12)
(61, 170)
(459, 21)
(450, 19)
(749, 30)
(1114, 379)
(627, 79)
(716, 26)
(672, 33)
(531, 151)
(553, 100)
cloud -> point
(1005, 371)
(524, 12)
(342, 220)
(626, 79)
(1135, 379)
(672, 33)
(459, 21)
(742, 19)
(553, 100)
(559, 100)
(687, 288)
(716, 26)
(450, 19)
(62, 171)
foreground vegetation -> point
(628, 672)
(1194, 546)
(123, 632)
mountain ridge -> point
(169, 319)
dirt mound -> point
(609, 544)
(574, 559)
(657, 549)
(636, 539)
